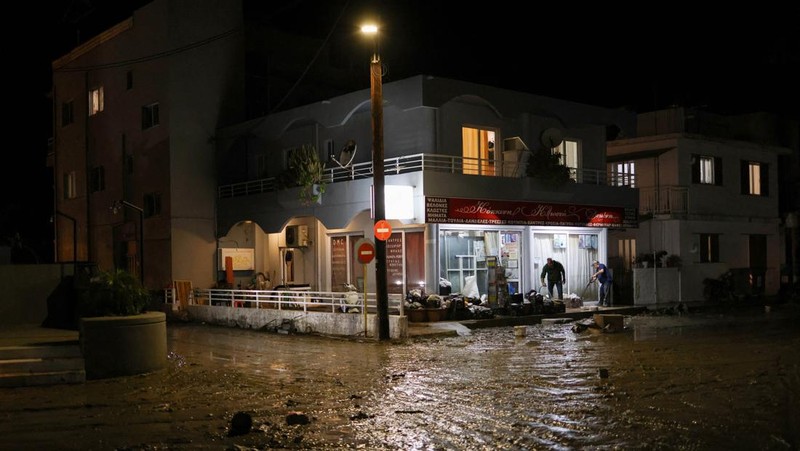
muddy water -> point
(698, 381)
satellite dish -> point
(552, 137)
(347, 154)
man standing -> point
(603, 275)
(554, 271)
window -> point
(624, 174)
(95, 101)
(261, 166)
(706, 170)
(152, 204)
(345, 268)
(755, 178)
(150, 116)
(129, 80)
(709, 247)
(568, 155)
(97, 179)
(67, 112)
(70, 187)
(478, 151)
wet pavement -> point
(707, 380)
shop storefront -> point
(474, 235)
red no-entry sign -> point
(383, 230)
(365, 251)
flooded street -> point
(697, 381)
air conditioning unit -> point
(514, 143)
(297, 236)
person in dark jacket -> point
(555, 274)
(602, 275)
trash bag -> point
(445, 287)
(471, 287)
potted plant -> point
(644, 260)
(673, 261)
(307, 171)
(546, 166)
(114, 293)
(118, 335)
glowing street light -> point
(376, 97)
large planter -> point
(115, 346)
(435, 314)
(417, 315)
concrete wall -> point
(656, 286)
(338, 324)
(25, 291)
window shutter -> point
(744, 177)
(695, 168)
(764, 179)
(718, 171)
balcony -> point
(669, 200)
(429, 163)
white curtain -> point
(576, 258)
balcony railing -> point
(429, 162)
(663, 200)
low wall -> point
(26, 289)
(326, 323)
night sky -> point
(732, 60)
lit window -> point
(478, 151)
(70, 187)
(95, 101)
(709, 247)
(625, 173)
(568, 155)
(755, 178)
(706, 170)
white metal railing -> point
(305, 300)
(429, 162)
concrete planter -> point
(115, 346)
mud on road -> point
(699, 381)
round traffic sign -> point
(383, 230)
(365, 251)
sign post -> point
(383, 230)
(365, 252)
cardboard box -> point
(609, 322)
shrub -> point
(115, 293)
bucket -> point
(520, 331)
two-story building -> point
(461, 196)
(708, 196)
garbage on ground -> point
(600, 323)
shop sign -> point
(450, 210)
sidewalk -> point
(35, 334)
(453, 328)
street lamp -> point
(376, 97)
(115, 208)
